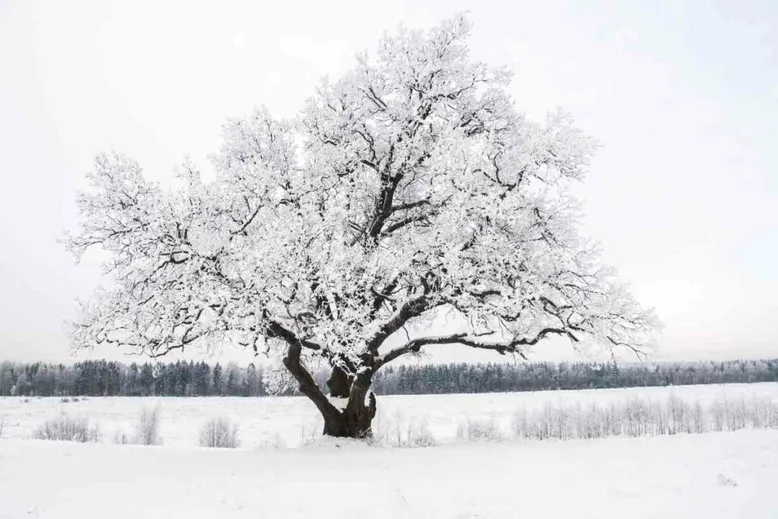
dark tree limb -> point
(307, 384)
(512, 346)
(411, 308)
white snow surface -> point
(288, 422)
(707, 476)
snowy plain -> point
(291, 421)
(711, 475)
(707, 476)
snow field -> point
(694, 476)
(421, 420)
(703, 476)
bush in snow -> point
(638, 417)
(219, 432)
(147, 431)
(419, 435)
(122, 438)
(65, 428)
(394, 430)
(479, 430)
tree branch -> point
(380, 297)
(414, 346)
(405, 221)
(410, 205)
(411, 308)
(276, 330)
(294, 364)
(308, 386)
(513, 346)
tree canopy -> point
(408, 188)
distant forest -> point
(104, 378)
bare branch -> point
(501, 347)
(413, 307)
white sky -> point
(683, 95)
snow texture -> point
(290, 421)
(708, 476)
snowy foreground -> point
(713, 475)
(717, 474)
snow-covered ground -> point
(288, 422)
(711, 475)
(707, 476)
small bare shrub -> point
(387, 429)
(2, 425)
(147, 431)
(696, 419)
(766, 412)
(64, 400)
(590, 422)
(419, 435)
(394, 430)
(738, 417)
(637, 417)
(147, 428)
(219, 432)
(122, 438)
(65, 428)
(478, 430)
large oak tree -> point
(409, 191)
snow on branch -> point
(410, 183)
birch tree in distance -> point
(409, 190)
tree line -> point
(542, 376)
(109, 378)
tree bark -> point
(355, 421)
(308, 387)
(361, 407)
(339, 383)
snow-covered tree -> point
(409, 191)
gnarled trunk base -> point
(355, 421)
(342, 427)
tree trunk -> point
(361, 407)
(339, 383)
(355, 421)
(356, 418)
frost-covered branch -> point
(410, 184)
(513, 346)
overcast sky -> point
(683, 96)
